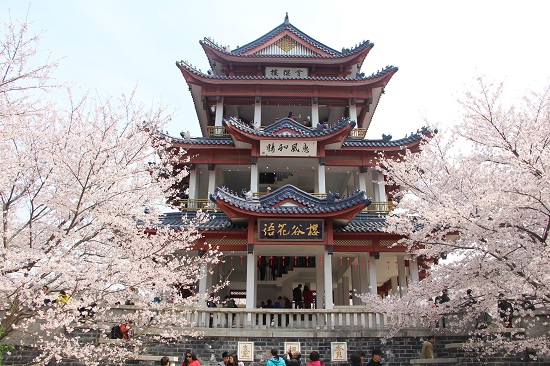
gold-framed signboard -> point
(291, 148)
(245, 351)
(290, 230)
(339, 351)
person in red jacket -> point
(315, 359)
(308, 297)
(125, 329)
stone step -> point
(433, 361)
(154, 358)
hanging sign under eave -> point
(288, 229)
(277, 72)
(288, 148)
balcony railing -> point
(381, 206)
(357, 133)
(217, 131)
(193, 204)
(220, 131)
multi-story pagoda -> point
(286, 170)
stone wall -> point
(397, 351)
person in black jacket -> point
(376, 357)
(297, 296)
(355, 359)
(505, 310)
(293, 359)
(441, 300)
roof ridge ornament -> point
(286, 18)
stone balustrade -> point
(354, 318)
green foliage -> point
(4, 347)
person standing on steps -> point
(297, 296)
(427, 348)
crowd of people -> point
(507, 309)
(302, 299)
(274, 358)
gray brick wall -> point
(397, 351)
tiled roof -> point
(197, 140)
(301, 131)
(286, 124)
(310, 204)
(215, 221)
(240, 51)
(299, 34)
(358, 77)
(387, 141)
(362, 223)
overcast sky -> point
(439, 46)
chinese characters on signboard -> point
(288, 148)
(303, 230)
(286, 72)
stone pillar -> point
(401, 275)
(219, 111)
(363, 179)
(413, 269)
(379, 187)
(321, 179)
(373, 281)
(257, 112)
(394, 285)
(250, 279)
(203, 283)
(327, 265)
(319, 283)
(316, 182)
(254, 177)
(356, 280)
(337, 291)
(211, 178)
(314, 112)
(352, 110)
(345, 291)
(360, 277)
(193, 184)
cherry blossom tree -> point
(83, 184)
(478, 195)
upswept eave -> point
(220, 222)
(187, 140)
(304, 204)
(287, 128)
(193, 74)
(215, 51)
(414, 139)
